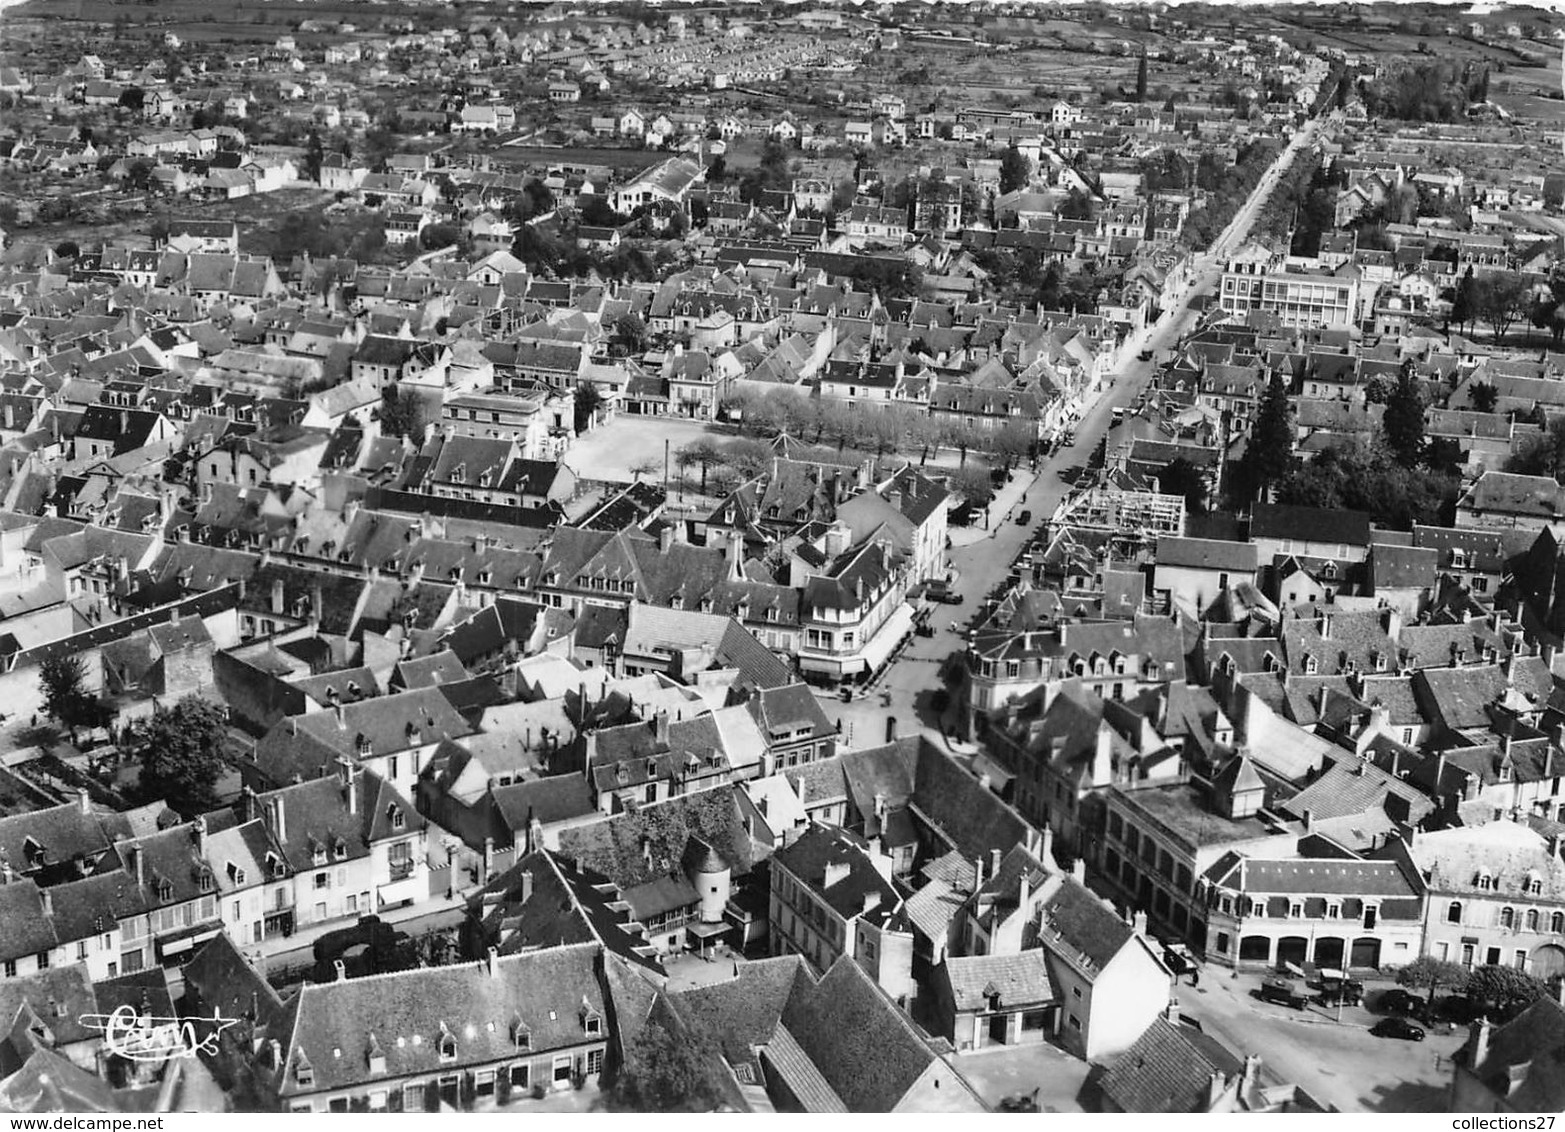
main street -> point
(914, 675)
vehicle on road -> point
(1338, 988)
(1145, 355)
(1283, 992)
(1024, 518)
(1068, 437)
(941, 592)
(1179, 959)
(1398, 1001)
(1118, 415)
(1399, 1028)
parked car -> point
(1458, 1008)
(1023, 518)
(941, 592)
(1145, 355)
(1350, 992)
(1178, 959)
(1398, 1001)
(1284, 992)
(1399, 1028)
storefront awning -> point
(892, 633)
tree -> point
(314, 154)
(1484, 396)
(182, 751)
(439, 236)
(1504, 988)
(1427, 971)
(972, 482)
(588, 400)
(1015, 170)
(1268, 453)
(1181, 477)
(702, 454)
(630, 331)
(1541, 455)
(1464, 303)
(1403, 423)
(1501, 299)
(134, 99)
(65, 696)
(667, 1069)
(1141, 78)
(647, 467)
(402, 414)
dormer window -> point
(204, 881)
(521, 1036)
(398, 818)
(1309, 666)
(339, 850)
(303, 1072)
(592, 1024)
(447, 1045)
(1484, 882)
(652, 768)
(1534, 885)
(165, 891)
(362, 745)
(319, 854)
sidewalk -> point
(1001, 509)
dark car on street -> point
(1284, 992)
(1398, 1001)
(941, 592)
(1399, 1028)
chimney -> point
(47, 899)
(1214, 1091)
(198, 834)
(138, 864)
(994, 862)
(1046, 850)
(660, 726)
(1079, 870)
(279, 595)
(527, 886)
(1023, 892)
(492, 960)
(1309, 818)
(83, 801)
(666, 538)
(279, 820)
(1479, 1042)
(978, 873)
(1252, 1072)
(1138, 923)
(341, 969)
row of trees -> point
(882, 431)
(1500, 299)
(1498, 989)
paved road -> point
(1343, 1066)
(912, 678)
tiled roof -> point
(1525, 1062)
(1011, 980)
(406, 1017)
(1079, 919)
(1167, 1070)
(870, 1053)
